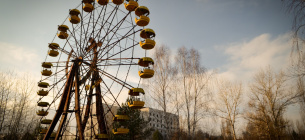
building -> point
(165, 123)
(88, 133)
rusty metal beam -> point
(99, 105)
(89, 99)
(62, 103)
(77, 107)
(88, 106)
(100, 111)
(64, 114)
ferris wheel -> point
(90, 65)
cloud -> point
(246, 58)
(19, 58)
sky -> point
(212, 26)
(234, 37)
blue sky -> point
(236, 37)
(201, 24)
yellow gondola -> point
(88, 1)
(102, 136)
(63, 31)
(42, 113)
(148, 44)
(43, 84)
(147, 33)
(47, 65)
(42, 93)
(53, 46)
(53, 53)
(131, 5)
(145, 61)
(43, 104)
(118, 2)
(87, 87)
(43, 131)
(142, 10)
(74, 12)
(136, 104)
(102, 2)
(63, 35)
(46, 72)
(146, 73)
(63, 28)
(142, 21)
(88, 7)
(118, 131)
(46, 121)
(136, 91)
(74, 19)
(120, 118)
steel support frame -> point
(62, 111)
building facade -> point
(165, 123)
(92, 123)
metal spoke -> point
(91, 70)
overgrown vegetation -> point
(18, 119)
(137, 125)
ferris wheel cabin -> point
(74, 19)
(131, 5)
(102, 2)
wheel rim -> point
(101, 49)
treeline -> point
(18, 119)
(182, 86)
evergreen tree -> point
(157, 135)
(136, 124)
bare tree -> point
(177, 106)
(18, 116)
(161, 83)
(296, 7)
(301, 100)
(229, 99)
(200, 93)
(226, 130)
(300, 127)
(183, 64)
(193, 80)
(301, 92)
(270, 96)
(6, 87)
